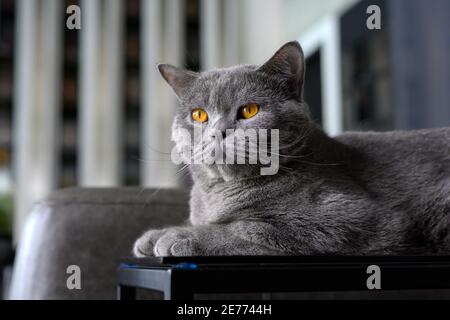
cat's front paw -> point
(177, 242)
(143, 247)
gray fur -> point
(359, 193)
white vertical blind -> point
(261, 29)
(210, 35)
(162, 33)
(324, 36)
(112, 137)
(37, 74)
(231, 32)
(151, 26)
(89, 87)
(100, 92)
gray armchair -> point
(90, 228)
(94, 228)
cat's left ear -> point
(180, 80)
(288, 63)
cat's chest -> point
(234, 202)
(221, 204)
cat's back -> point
(405, 162)
(432, 135)
(424, 144)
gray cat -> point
(359, 193)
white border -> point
(324, 36)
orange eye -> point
(199, 115)
(249, 110)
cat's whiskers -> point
(150, 160)
(163, 152)
(184, 167)
(296, 158)
(301, 138)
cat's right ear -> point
(288, 64)
(180, 80)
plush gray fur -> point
(359, 193)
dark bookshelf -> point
(132, 114)
(70, 100)
(192, 34)
(313, 88)
(396, 77)
(7, 23)
(366, 75)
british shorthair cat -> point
(360, 193)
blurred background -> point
(86, 107)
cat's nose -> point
(222, 127)
(218, 133)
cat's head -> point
(244, 97)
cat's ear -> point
(180, 80)
(288, 63)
